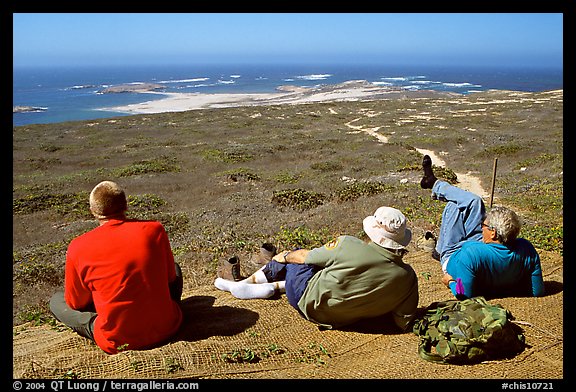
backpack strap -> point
(425, 353)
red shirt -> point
(123, 267)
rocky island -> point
(132, 88)
(28, 109)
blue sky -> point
(506, 39)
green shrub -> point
(357, 189)
(32, 272)
(506, 149)
(140, 204)
(326, 166)
(74, 204)
(301, 237)
(287, 178)
(298, 199)
(160, 165)
(231, 156)
(241, 174)
(37, 315)
(547, 238)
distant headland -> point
(132, 88)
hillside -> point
(223, 181)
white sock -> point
(280, 286)
(253, 291)
(257, 277)
(245, 290)
(224, 284)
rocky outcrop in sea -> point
(28, 109)
(132, 88)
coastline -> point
(348, 91)
(111, 92)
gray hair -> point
(505, 222)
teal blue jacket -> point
(498, 270)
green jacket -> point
(358, 280)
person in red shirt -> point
(122, 287)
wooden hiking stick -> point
(493, 181)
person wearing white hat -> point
(345, 280)
(122, 287)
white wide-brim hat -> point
(387, 228)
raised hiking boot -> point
(230, 269)
(428, 180)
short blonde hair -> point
(107, 199)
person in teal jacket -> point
(480, 252)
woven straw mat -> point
(226, 338)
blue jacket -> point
(496, 270)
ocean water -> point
(69, 94)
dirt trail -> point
(467, 181)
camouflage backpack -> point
(467, 331)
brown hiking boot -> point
(267, 251)
(427, 242)
(259, 259)
(230, 269)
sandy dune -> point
(348, 91)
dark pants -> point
(81, 321)
(295, 275)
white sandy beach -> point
(178, 102)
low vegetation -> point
(224, 181)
